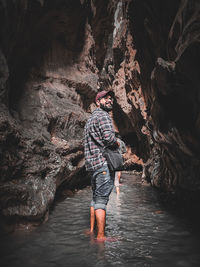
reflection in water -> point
(147, 235)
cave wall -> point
(167, 41)
(43, 85)
(55, 56)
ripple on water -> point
(147, 235)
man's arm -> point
(107, 131)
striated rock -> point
(48, 81)
(168, 51)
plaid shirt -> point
(99, 133)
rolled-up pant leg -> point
(102, 182)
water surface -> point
(148, 235)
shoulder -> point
(100, 111)
(101, 115)
(94, 117)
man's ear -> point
(98, 103)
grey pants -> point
(102, 181)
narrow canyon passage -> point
(148, 234)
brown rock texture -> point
(55, 56)
(167, 41)
(48, 81)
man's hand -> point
(115, 145)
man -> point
(99, 133)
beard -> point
(105, 107)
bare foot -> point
(108, 239)
(88, 232)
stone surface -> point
(168, 54)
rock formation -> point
(55, 56)
(167, 41)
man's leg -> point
(92, 219)
(117, 177)
(101, 221)
(103, 188)
(92, 211)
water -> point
(147, 234)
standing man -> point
(99, 133)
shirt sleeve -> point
(106, 130)
(123, 147)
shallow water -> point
(147, 234)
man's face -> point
(106, 103)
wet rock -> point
(166, 43)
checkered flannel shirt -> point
(99, 133)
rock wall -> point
(55, 56)
(168, 54)
(48, 81)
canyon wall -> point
(55, 56)
(167, 41)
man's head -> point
(104, 100)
